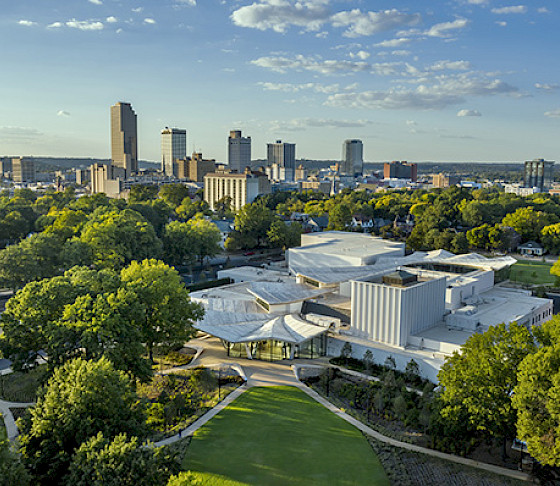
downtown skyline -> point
(445, 81)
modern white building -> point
(239, 151)
(339, 248)
(352, 158)
(173, 147)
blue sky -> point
(456, 80)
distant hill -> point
(63, 163)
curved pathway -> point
(262, 373)
(8, 416)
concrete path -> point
(262, 373)
(9, 421)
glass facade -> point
(272, 350)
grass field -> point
(532, 273)
(21, 387)
(280, 436)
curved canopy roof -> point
(288, 328)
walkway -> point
(8, 416)
(262, 373)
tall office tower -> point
(173, 147)
(352, 157)
(23, 170)
(538, 173)
(282, 157)
(124, 138)
(400, 170)
(239, 151)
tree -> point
(223, 208)
(528, 222)
(206, 237)
(550, 237)
(121, 461)
(143, 192)
(81, 399)
(168, 313)
(252, 223)
(118, 237)
(478, 382)
(12, 472)
(340, 217)
(284, 236)
(36, 257)
(174, 194)
(179, 244)
(30, 320)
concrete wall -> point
(389, 314)
(455, 296)
(429, 367)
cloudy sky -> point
(455, 80)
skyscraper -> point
(173, 147)
(239, 151)
(352, 158)
(538, 173)
(281, 158)
(124, 138)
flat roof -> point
(283, 292)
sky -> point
(455, 80)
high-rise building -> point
(239, 151)
(23, 170)
(124, 138)
(242, 188)
(173, 147)
(400, 170)
(538, 173)
(281, 157)
(352, 158)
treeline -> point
(454, 219)
(44, 235)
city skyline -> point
(468, 80)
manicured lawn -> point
(21, 387)
(532, 273)
(280, 436)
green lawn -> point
(280, 436)
(532, 273)
(21, 387)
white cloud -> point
(501, 23)
(469, 113)
(19, 134)
(360, 23)
(27, 23)
(85, 24)
(55, 25)
(299, 124)
(316, 87)
(514, 9)
(190, 3)
(111, 19)
(446, 91)
(62, 113)
(543, 10)
(477, 2)
(149, 20)
(442, 29)
(96, 2)
(363, 55)
(450, 65)
(302, 63)
(279, 15)
(401, 52)
(553, 113)
(138, 9)
(393, 42)
(547, 87)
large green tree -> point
(478, 381)
(80, 400)
(167, 312)
(12, 472)
(121, 461)
(119, 237)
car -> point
(249, 253)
